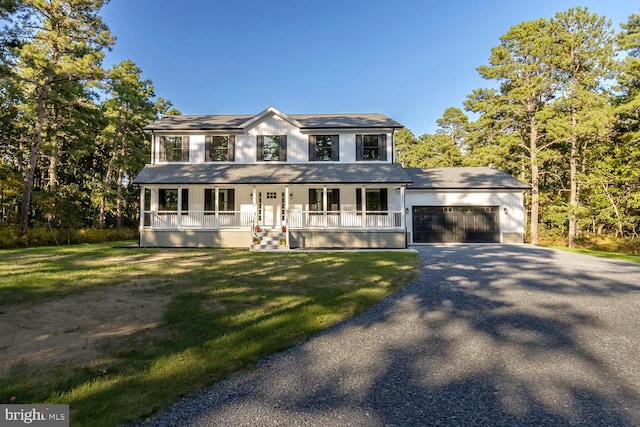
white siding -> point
(297, 142)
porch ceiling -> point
(273, 173)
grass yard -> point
(119, 333)
(600, 253)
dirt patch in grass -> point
(79, 327)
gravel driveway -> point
(488, 335)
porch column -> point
(254, 197)
(286, 214)
(179, 207)
(403, 217)
(286, 205)
(217, 207)
(324, 206)
(363, 201)
(143, 191)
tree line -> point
(562, 113)
(71, 135)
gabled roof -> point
(268, 112)
(463, 178)
(302, 121)
(272, 173)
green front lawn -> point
(226, 310)
(602, 254)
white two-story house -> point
(311, 180)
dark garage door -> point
(463, 224)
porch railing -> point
(197, 219)
(202, 220)
(345, 219)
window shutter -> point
(313, 199)
(162, 199)
(312, 148)
(208, 193)
(358, 147)
(185, 148)
(383, 199)
(231, 203)
(358, 199)
(208, 149)
(163, 149)
(259, 148)
(185, 199)
(336, 198)
(335, 148)
(231, 154)
(382, 147)
(283, 148)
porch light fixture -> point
(291, 196)
(506, 211)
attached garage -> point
(464, 205)
(459, 224)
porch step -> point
(270, 241)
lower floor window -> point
(376, 199)
(226, 199)
(316, 196)
(168, 199)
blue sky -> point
(409, 59)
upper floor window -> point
(174, 148)
(324, 148)
(219, 148)
(272, 148)
(371, 147)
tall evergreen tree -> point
(454, 124)
(62, 41)
(527, 88)
(583, 62)
(129, 108)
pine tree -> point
(62, 41)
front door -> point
(270, 207)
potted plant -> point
(257, 229)
(284, 228)
(283, 241)
(256, 240)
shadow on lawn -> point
(228, 310)
(488, 335)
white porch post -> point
(363, 201)
(286, 206)
(143, 191)
(254, 197)
(403, 218)
(324, 206)
(286, 214)
(179, 207)
(217, 207)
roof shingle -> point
(272, 173)
(463, 178)
(308, 121)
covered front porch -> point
(313, 205)
(306, 215)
